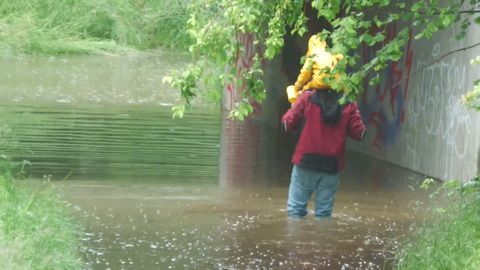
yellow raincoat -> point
(312, 73)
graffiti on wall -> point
(240, 140)
(383, 107)
(435, 112)
(244, 62)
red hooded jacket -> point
(317, 137)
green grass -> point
(35, 232)
(450, 240)
(53, 27)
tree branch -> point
(459, 12)
(406, 10)
(433, 62)
(468, 11)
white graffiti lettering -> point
(438, 123)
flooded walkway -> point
(151, 225)
(146, 187)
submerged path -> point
(135, 224)
(155, 202)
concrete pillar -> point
(249, 150)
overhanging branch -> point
(433, 62)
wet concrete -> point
(152, 225)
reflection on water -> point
(104, 117)
(114, 142)
(145, 225)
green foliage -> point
(91, 26)
(187, 81)
(472, 98)
(215, 27)
(178, 111)
(448, 239)
(34, 231)
(254, 90)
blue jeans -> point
(303, 183)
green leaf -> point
(452, 184)
(465, 25)
(375, 80)
(432, 27)
(379, 37)
(477, 20)
(178, 111)
(356, 79)
(318, 4)
(377, 21)
(447, 20)
(419, 35)
(392, 17)
(460, 35)
(418, 6)
(427, 183)
(241, 116)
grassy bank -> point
(34, 230)
(53, 27)
(451, 239)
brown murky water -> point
(149, 225)
(146, 187)
(105, 117)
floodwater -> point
(145, 187)
(95, 142)
(104, 117)
(153, 225)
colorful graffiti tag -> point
(240, 140)
(383, 106)
(244, 62)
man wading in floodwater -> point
(320, 152)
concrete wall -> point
(415, 118)
(250, 150)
